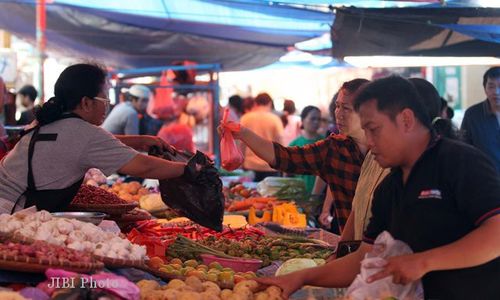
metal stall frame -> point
(213, 86)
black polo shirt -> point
(450, 191)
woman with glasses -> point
(47, 166)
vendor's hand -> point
(288, 283)
(324, 219)
(192, 169)
(154, 141)
(404, 269)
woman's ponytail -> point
(444, 128)
(50, 111)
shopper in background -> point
(481, 123)
(264, 123)
(124, 118)
(291, 122)
(310, 118)
(27, 96)
(47, 166)
(236, 109)
(248, 104)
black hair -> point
(30, 91)
(237, 102)
(433, 104)
(289, 106)
(429, 96)
(449, 111)
(263, 99)
(248, 103)
(353, 85)
(393, 94)
(305, 112)
(74, 83)
(492, 73)
(333, 105)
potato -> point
(226, 294)
(195, 283)
(261, 296)
(171, 294)
(237, 297)
(186, 288)
(243, 293)
(209, 295)
(175, 284)
(273, 290)
(189, 296)
(148, 285)
(210, 286)
(156, 295)
(251, 285)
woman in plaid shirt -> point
(336, 159)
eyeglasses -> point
(107, 102)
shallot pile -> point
(42, 250)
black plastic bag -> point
(201, 200)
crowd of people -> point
(413, 179)
(391, 161)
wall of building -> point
(472, 85)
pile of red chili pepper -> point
(157, 237)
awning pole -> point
(40, 45)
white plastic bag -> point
(385, 246)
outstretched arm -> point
(152, 167)
(482, 244)
(144, 142)
(337, 273)
(260, 146)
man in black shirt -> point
(27, 96)
(442, 198)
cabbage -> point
(295, 264)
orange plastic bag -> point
(230, 153)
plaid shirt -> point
(336, 159)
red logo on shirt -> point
(432, 193)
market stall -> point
(124, 233)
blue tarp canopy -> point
(132, 34)
(247, 34)
(434, 31)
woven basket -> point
(120, 263)
(29, 264)
(111, 209)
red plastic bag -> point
(164, 106)
(230, 153)
(178, 135)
